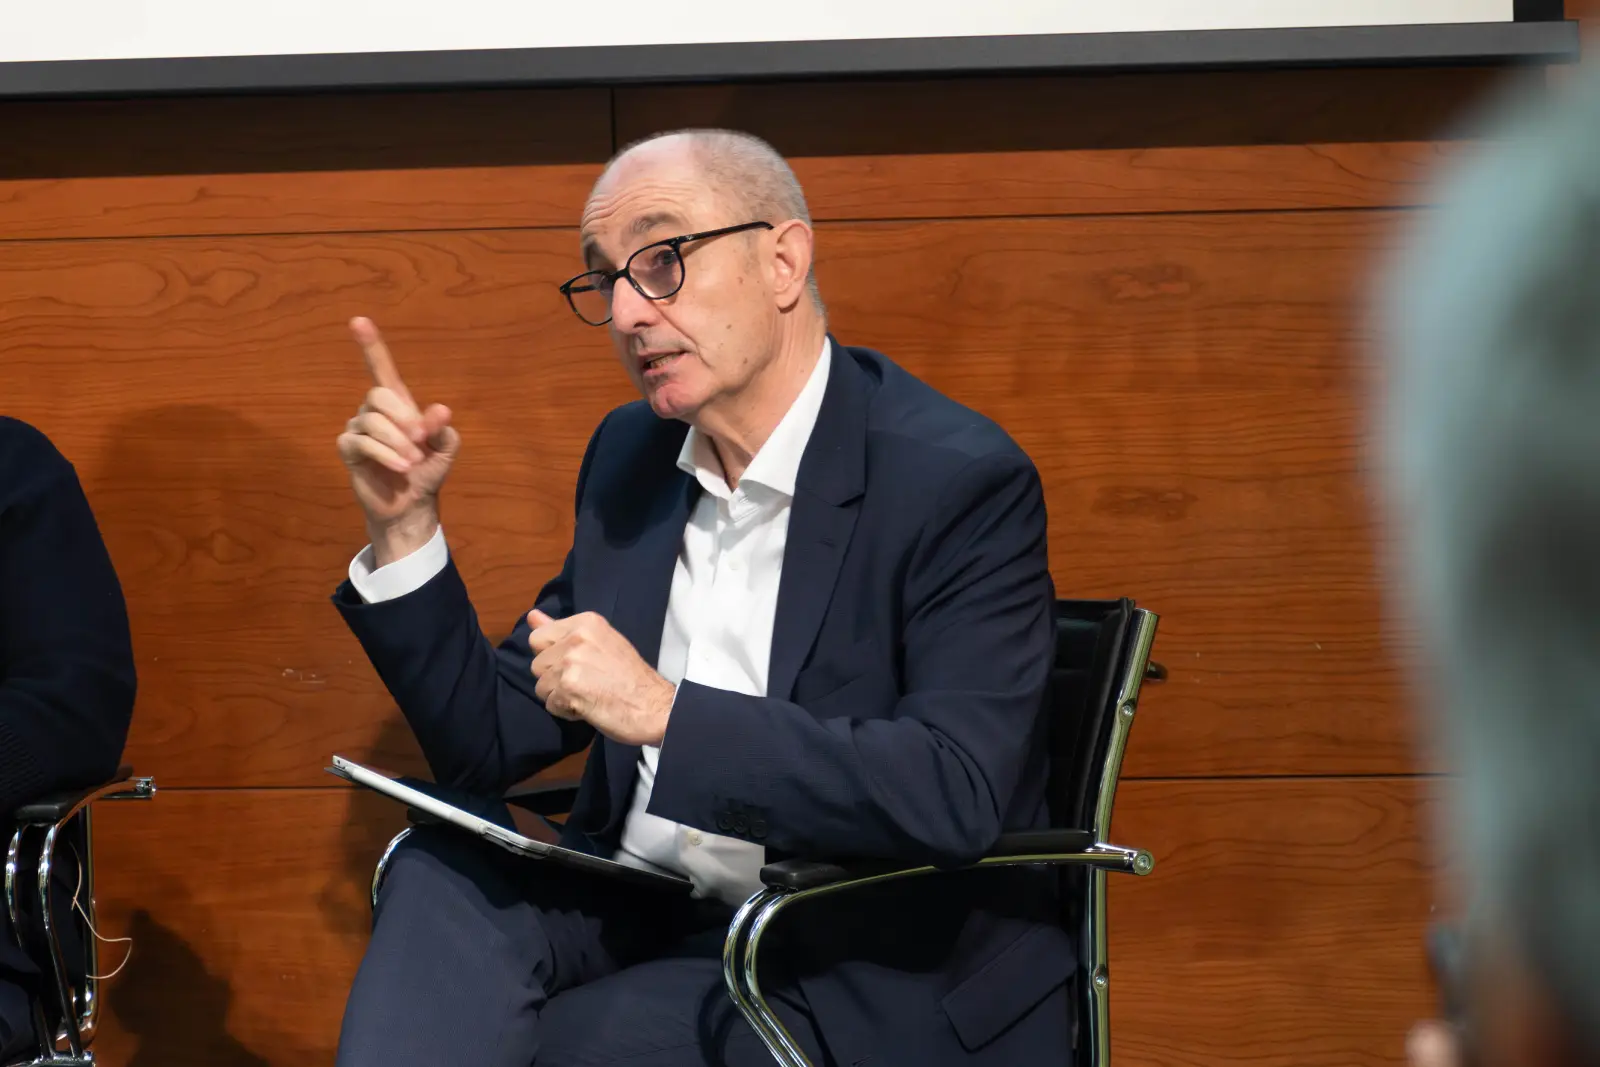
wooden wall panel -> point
(1095, 144)
(249, 912)
(1282, 925)
(1281, 918)
(1193, 392)
(203, 428)
(1187, 386)
(1155, 287)
(315, 163)
(1191, 142)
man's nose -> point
(630, 310)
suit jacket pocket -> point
(829, 672)
(1009, 986)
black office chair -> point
(1102, 660)
(65, 1021)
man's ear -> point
(791, 261)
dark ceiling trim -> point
(1541, 41)
(1538, 10)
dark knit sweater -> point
(66, 660)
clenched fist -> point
(588, 671)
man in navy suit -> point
(807, 612)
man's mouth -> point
(649, 362)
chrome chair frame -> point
(79, 1009)
(791, 882)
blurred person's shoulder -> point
(29, 462)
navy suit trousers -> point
(479, 957)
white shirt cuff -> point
(405, 575)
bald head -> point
(741, 168)
(745, 175)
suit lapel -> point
(827, 499)
(644, 575)
(643, 569)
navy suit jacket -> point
(910, 652)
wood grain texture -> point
(1112, 144)
(1153, 281)
(1195, 404)
(1271, 140)
(1188, 386)
(199, 385)
(1284, 916)
(321, 163)
(1283, 923)
(249, 912)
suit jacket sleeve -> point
(930, 783)
(66, 695)
(470, 703)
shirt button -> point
(694, 837)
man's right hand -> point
(398, 455)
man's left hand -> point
(588, 671)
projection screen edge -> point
(1466, 43)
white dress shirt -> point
(718, 629)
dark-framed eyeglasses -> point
(655, 271)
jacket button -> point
(758, 828)
(741, 825)
(724, 822)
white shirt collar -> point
(777, 464)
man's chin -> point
(671, 403)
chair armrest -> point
(1043, 842)
(546, 798)
(57, 807)
(1016, 849)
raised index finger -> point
(380, 364)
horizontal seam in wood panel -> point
(1342, 209)
(245, 235)
(1375, 209)
(1158, 780)
(277, 790)
(1168, 779)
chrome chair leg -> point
(734, 954)
(13, 854)
(779, 1041)
(58, 959)
(1097, 1014)
(382, 868)
(89, 1009)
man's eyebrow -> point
(594, 259)
(645, 223)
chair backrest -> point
(1093, 639)
(1102, 654)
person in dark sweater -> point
(67, 677)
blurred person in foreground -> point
(66, 672)
(1491, 435)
